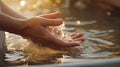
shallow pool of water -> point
(100, 30)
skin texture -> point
(35, 27)
(36, 30)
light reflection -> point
(108, 13)
(38, 4)
(22, 3)
(58, 1)
(78, 22)
(61, 60)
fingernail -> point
(82, 39)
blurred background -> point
(37, 7)
(99, 20)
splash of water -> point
(16, 44)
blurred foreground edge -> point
(2, 47)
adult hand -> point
(35, 28)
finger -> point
(80, 39)
(61, 43)
(73, 34)
(72, 44)
(74, 49)
(51, 22)
(77, 36)
(51, 15)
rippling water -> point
(99, 43)
(100, 30)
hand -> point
(35, 28)
(75, 37)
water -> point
(100, 30)
(100, 44)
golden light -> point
(58, 1)
(78, 22)
(22, 3)
(108, 13)
(62, 60)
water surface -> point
(100, 30)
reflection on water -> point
(97, 45)
(97, 41)
(100, 30)
(22, 51)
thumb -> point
(51, 15)
(52, 22)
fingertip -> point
(82, 39)
(58, 22)
(61, 21)
(58, 12)
(78, 35)
(81, 34)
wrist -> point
(21, 25)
